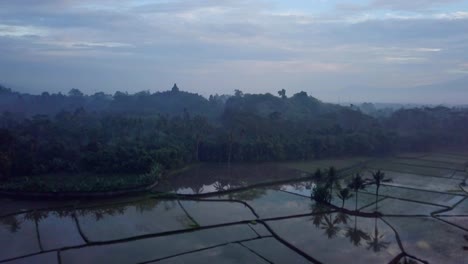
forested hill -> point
(173, 102)
(123, 133)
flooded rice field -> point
(257, 213)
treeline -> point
(135, 133)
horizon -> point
(342, 103)
(337, 51)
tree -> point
(464, 182)
(238, 93)
(378, 177)
(321, 193)
(318, 174)
(75, 93)
(344, 195)
(332, 178)
(282, 93)
(356, 184)
(201, 129)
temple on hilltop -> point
(175, 88)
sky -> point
(337, 51)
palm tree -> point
(344, 195)
(379, 177)
(332, 178)
(356, 184)
(321, 194)
(318, 174)
(464, 182)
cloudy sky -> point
(351, 50)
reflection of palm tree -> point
(341, 218)
(375, 242)
(218, 186)
(406, 260)
(317, 219)
(197, 190)
(355, 235)
(330, 227)
(318, 211)
(11, 222)
(466, 238)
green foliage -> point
(78, 183)
(344, 194)
(129, 133)
(378, 177)
(357, 183)
(318, 174)
(321, 193)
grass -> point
(77, 183)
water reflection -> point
(14, 222)
(376, 242)
(407, 260)
(337, 223)
(211, 178)
(248, 195)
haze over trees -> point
(132, 133)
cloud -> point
(409, 5)
(21, 31)
(396, 5)
(234, 42)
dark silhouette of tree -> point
(332, 179)
(318, 174)
(238, 93)
(378, 177)
(282, 93)
(465, 180)
(75, 93)
(321, 193)
(356, 184)
(344, 194)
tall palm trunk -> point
(356, 200)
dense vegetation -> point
(143, 132)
